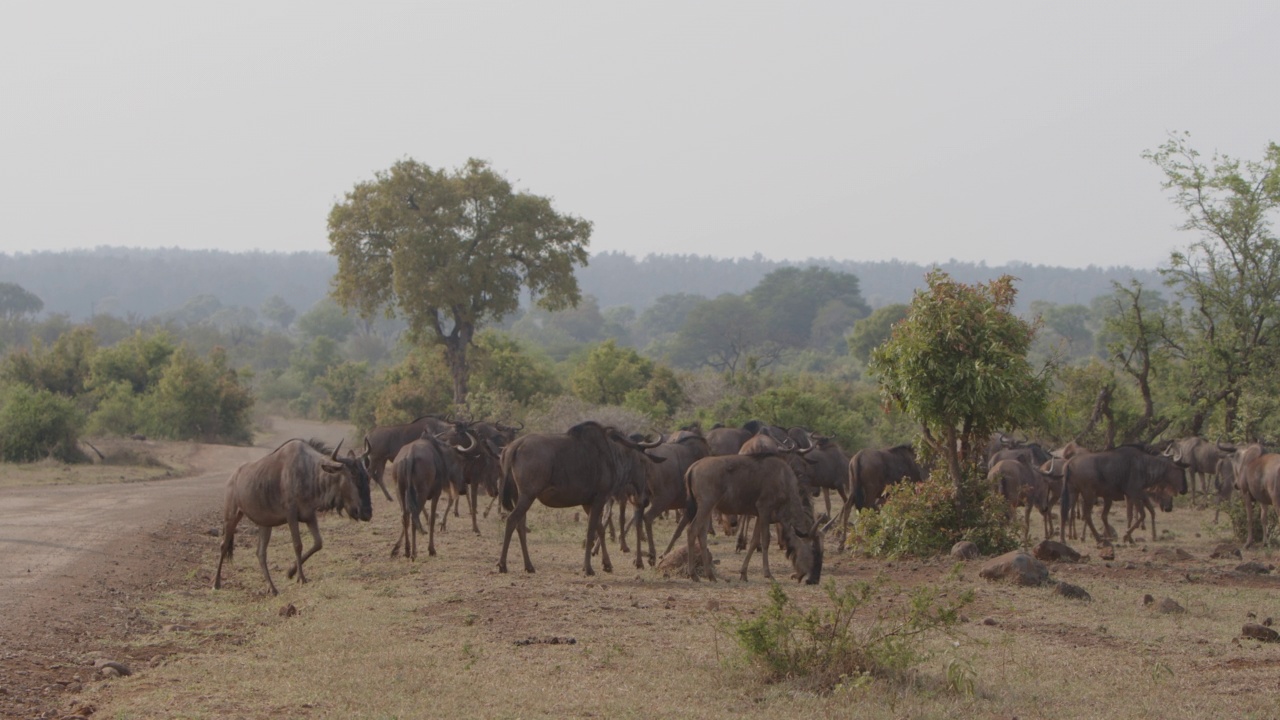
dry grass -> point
(381, 638)
(123, 460)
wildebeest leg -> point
(1134, 524)
(744, 525)
(595, 528)
(516, 521)
(471, 498)
(648, 518)
(1086, 511)
(489, 507)
(699, 526)
(684, 522)
(228, 545)
(316, 543)
(751, 548)
(1106, 523)
(826, 499)
(622, 524)
(431, 534)
(264, 537)
(1248, 519)
(1026, 525)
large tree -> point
(16, 301)
(790, 299)
(450, 251)
(958, 366)
(1229, 278)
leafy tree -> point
(725, 334)
(315, 358)
(609, 373)
(279, 312)
(665, 316)
(327, 319)
(17, 302)
(36, 423)
(503, 364)
(450, 251)
(1230, 276)
(1136, 338)
(958, 365)
(201, 400)
(342, 385)
(62, 368)
(874, 329)
(789, 300)
(138, 361)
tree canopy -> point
(16, 301)
(450, 251)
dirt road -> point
(72, 556)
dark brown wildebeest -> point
(761, 486)
(480, 469)
(1257, 475)
(424, 470)
(293, 484)
(829, 470)
(1026, 487)
(766, 442)
(728, 441)
(587, 466)
(383, 442)
(870, 472)
(1125, 473)
(1225, 480)
(1200, 458)
(666, 485)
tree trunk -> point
(455, 353)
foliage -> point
(725, 334)
(279, 311)
(36, 423)
(197, 399)
(958, 365)
(609, 373)
(326, 319)
(17, 302)
(927, 518)
(1140, 335)
(137, 361)
(450, 251)
(418, 385)
(503, 364)
(1229, 277)
(664, 317)
(789, 301)
(1262, 514)
(873, 330)
(1091, 406)
(342, 386)
(845, 639)
(62, 368)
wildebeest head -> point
(804, 550)
(354, 498)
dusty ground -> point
(76, 558)
(122, 571)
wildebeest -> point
(1200, 458)
(480, 469)
(424, 470)
(666, 485)
(383, 442)
(588, 465)
(829, 470)
(293, 484)
(1225, 480)
(1027, 487)
(762, 486)
(871, 471)
(728, 441)
(1125, 473)
(1257, 475)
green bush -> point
(927, 518)
(1235, 512)
(119, 410)
(195, 399)
(37, 423)
(824, 647)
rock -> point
(115, 668)
(965, 550)
(1253, 567)
(1169, 605)
(990, 621)
(1053, 551)
(288, 611)
(1017, 567)
(1147, 599)
(1171, 554)
(1225, 550)
(1259, 632)
(109, 672)
(1072, 592)
(1108, 552)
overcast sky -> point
(919, 131)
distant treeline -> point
(144, 283)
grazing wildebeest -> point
(871, 471)
(1024, 486)
(1200, 458)
(383, 442)
(588, 465)
(767, 442)
(424, 470)
(666, 485)
(1125, 473)
(1257, 475)
(762, 486)
(293, 484)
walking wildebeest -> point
(424, 470)
(1125, 473)
(382, 443)
(1025, 486)
(1257, 475)
(588, 465)
(829, 470)
(292, 484)
(870, 472)
(666, 485)
(762, 486)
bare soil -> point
(82, 546)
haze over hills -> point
(147, 282)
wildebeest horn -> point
(336, 449)
(651, 444)
(468, 448)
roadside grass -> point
(124, 461)
(377, 637)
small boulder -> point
(1053, 551)
(1016, 567)
(1072, 592)
(1147, 599)
(990, 621)
(1259, 632)
(965, 550)
(1223, 551)
(1171, 554)
(1253, 567)
(1169, 605)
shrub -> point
(823, 647)
(1235, 511)
(200, 400)
(35, 424)
(927, 518)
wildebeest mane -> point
(315, 443)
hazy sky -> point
(917, 131)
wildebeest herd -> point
(725, 478)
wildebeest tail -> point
(413, 504)
(855, 479)
(1064, 503)
(691, 504)
(507, 490)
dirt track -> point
(72, 556)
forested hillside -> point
(145, 283)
